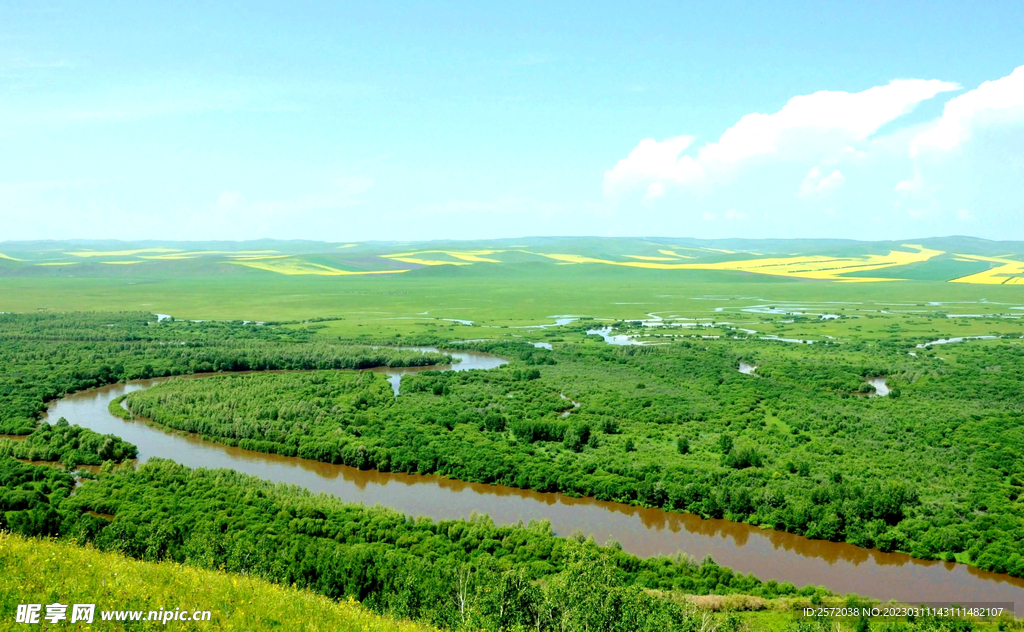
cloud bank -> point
(833, 154)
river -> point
(768, 554)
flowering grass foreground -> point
(45, 572)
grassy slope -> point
(43, 571)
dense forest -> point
(933, 469)
(44, 356)
(70, 445)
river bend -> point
(768, 554)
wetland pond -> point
(768, 554)
(881, 388)
(467, 360)
(613, 339)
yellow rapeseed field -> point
(465, 257)
(292, 266)
(118, 253)
(648, 258)
(674, 254)
(816, 267)
(1008, 272)
(178, 256)
(802, 267)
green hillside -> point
(46, 571)
(937, 259)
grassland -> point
(509, 284)
(657, 292)
(46, 571)
(497, 304)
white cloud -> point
(228, 200)
(850, 116)
(968, 164)
(734, 214)
(656, 190)
(998, 101)
(649, 163)
(830, 155)
(815, 184)
(909, 185)
(820, 128)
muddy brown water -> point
(768, 554)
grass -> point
(498, 299)
(508, 282)
(45, 572)
(199, 289)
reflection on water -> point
(465, 361)
(946, 341)
(768, 554)
(881, 388)
(793, 340)
(560, 320)
(613, 339)
(747, 368)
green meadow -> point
(520, 296)
(508, 286)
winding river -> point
(768, 554)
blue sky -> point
(349, 121)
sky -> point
(446, 120)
